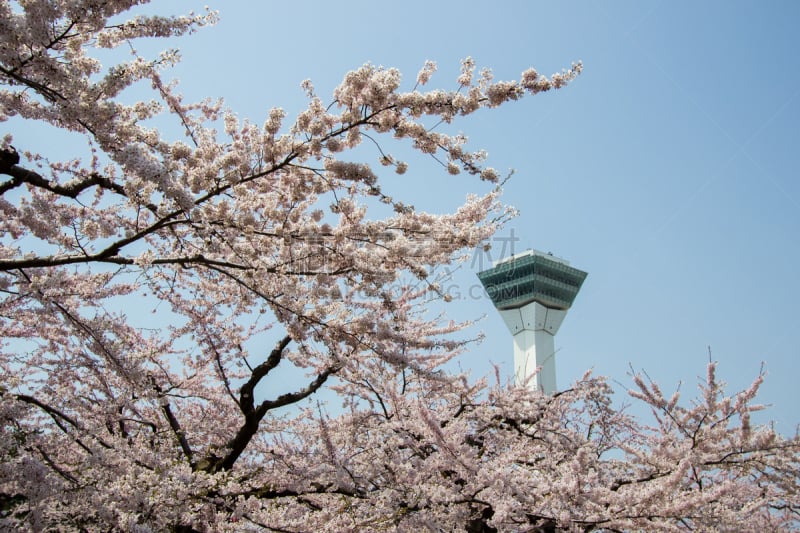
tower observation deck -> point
(533, 291)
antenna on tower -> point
(533, 291)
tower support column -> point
(534, 327)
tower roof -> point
(532, 277)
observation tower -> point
(533, 291)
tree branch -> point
(22, 175)
(174, 424)
(57, 417)
(246, 403)
(49, 94)
(245, 434)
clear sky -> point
(668, 170)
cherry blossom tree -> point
(274, 246)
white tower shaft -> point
(534, 327)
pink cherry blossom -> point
(155, 293)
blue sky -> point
(668, 170)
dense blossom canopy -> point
(267, 247)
